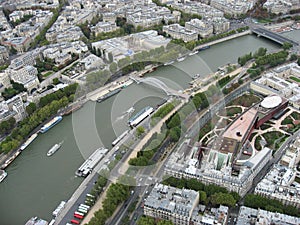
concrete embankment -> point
(222, 40)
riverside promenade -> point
(222, 40)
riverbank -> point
(203, 46)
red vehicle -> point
(247, 153)
(78, 216)
(75, 221)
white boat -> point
(130, 110)
(3, 174)
(193, 53)
(180, 59)
(29, 140)
(54, 149)
(169, 63)
(196, 76)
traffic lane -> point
(123, 210)
(70, 214)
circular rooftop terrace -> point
(271, 102)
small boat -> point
(130, 110)
(168, 63)
(3, 174)
(203, 48)
(54, 148)
(193, 53)
(180, 59)
(196, 76)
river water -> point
(36, 184)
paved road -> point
(80, 200)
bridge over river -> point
(160, 85)
(272, 36)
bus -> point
(78, 213)
(84, 211)
(74, 221)
(81, 207)
(89, 195)
(87, 202)
(52, 222)
(85, 206)
(78, 216)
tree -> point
(146, 220)
(110, 57)
(298, 61)
(222, 199)
(31, 108)
(175, 134)
(287, 45)
(165, 222)
(140, 131)
(203, 197)
(293, 57)
(55, 81)
(113, 67)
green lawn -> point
(295, 79)
(245, 100)
(47, 74)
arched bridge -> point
(272, 36)
(160, 85)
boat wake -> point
(126, 113)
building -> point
(216, 216)
(281, 6)
(223, 161)
(4, 81)
(27, 59)
(129, 45)
(280, 82)
(178, 32)
(103, 27)
(21, 44)
(259, 216)
(27, 76)
(279, 184)
(171, 203)
(202, 28)
(234, 8)
(13, 107)
(291, 157)
(4, 54)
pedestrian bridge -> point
(273, 36)
(152, 81)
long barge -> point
(3, 174)
(72, 109)
(28, 141)
(59, 208)
(108, 95)
(51, 124)
(89, 164)
(12, 158)
(140, 116)
(118, 139)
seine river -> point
(36, 184)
